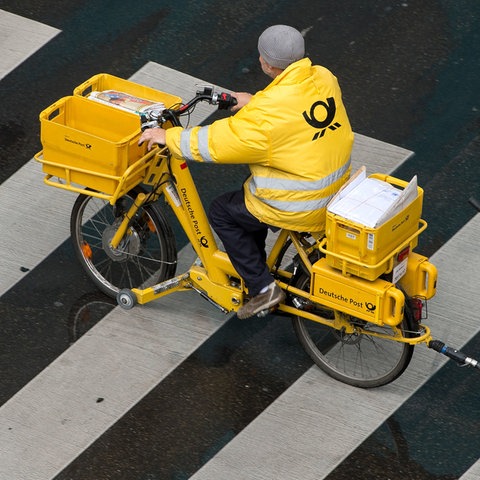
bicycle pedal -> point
(264, 313)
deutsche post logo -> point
(321, 117)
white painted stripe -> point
(20, 38)
(318, 421)
(473, 473)
(35, 220)
(55, 417)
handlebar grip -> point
(456, 355)
(226, 101)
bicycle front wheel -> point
(357, 359)
(146, 256)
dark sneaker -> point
(263, 301)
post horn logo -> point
(330, 110)
(371, 307)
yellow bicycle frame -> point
(214, 277)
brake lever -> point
(144, 125)
(223, 100)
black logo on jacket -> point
(322, 118)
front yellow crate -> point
(105, 81)
(89, 143)
(369, 252)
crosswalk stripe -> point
(20, 37)
(35, 220)
(136, 349)
(472, 473)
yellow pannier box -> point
(369, 252)
(377, 301)
(88, 143)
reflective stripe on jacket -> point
(297, 139)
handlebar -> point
(156, 118)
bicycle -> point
(126, 245)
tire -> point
(146, 256)
(360, 360)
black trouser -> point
(243, 237)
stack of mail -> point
(370, 201)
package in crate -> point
(125, 95)
(368, 220)
(126, 102)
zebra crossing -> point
(307, 432)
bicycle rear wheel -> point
(361, 360)
(146, 255)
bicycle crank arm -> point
(459, 357)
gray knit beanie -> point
(281, 45)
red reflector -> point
(184, 165)
(417, 308)
(403, 254)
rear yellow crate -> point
(105, 81)
(369, 252)
(89, 143)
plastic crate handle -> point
(389, 179)
(88, 86)
(427, 280)
(395, 304)
(53, 110)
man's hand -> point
(152, 136)
(242, 99)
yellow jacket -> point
(297, 139)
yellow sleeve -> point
(241, 138)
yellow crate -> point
(370, 252)
(104, 81)
(89, 143)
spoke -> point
(149, 259)
(104, 267)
